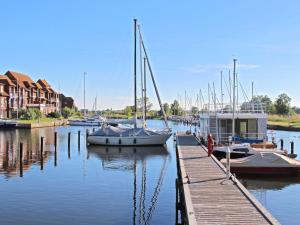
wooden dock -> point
(205, 193)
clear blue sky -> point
(189, 42)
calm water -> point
(98, 185)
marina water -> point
(99, 185)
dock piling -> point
(55, 148)
(69, 144)
(281, 144)
(42, 152)
(78, 140)
(21, 159)
(292, 147)
(228, 163)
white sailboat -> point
(133, 136)
(95, 120)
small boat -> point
(7, 123)
(243, 150)
(265, 164)
(93, 121)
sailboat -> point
(133, 136)
(95, 120)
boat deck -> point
(207, 195)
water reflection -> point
(12, 161)
(270, 183)
(135, 159)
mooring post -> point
(292, 147)
(55, 140)
(79, 140)
(21, 159)
(228, 162)
(281, 144)
(69, 144)
(42, 153)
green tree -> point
(166, 108)
(140, 106)
(176, 109)
(266, 100)
(128, 111)
(67, 112)
(282, 104)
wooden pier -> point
(205, 193)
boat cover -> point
(111, 131)
(264, 160)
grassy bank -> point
(284, 122)
(41, 120)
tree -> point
(128, 111)
(176, 109)
(195, 110)
(140, 106)
(266, 100)
(166, 109)
(67, 112)
(282, 104)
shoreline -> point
(282, 128)
(54, 123)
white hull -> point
(160, 139)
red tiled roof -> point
(21, 78)
(43, 83)
(6, 80)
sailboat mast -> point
(233, 101)
(84, 110)
(145, 90)
(153, 81)
(134, 73)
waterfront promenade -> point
(207, 196)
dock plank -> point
(209, 197)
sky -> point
(188, 42)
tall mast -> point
(233, 101)
(153, 80)
(84, 110)
(142, 82)
(222, 95)
(184, 102)
(252, 89)
(134, 73)
(145, 90)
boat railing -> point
(227, 137)
(246, 107)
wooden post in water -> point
(21, 159)
(55, 148)
(79, 140)
(69, 144)
(42, 153)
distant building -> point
(66, 101)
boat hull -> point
(79, 123)
(233, 155)
(129, 141)
(266, 171)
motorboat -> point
(8, 123)
(243, 150)
(265, 164)
(92, 121)
(134, 136)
